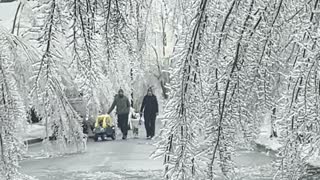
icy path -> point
(113, 160)
(119, 159)
(126, 160)
(103, 160)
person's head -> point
(120, 93)
(149, 92)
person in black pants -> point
(151, 110)
(123, 108)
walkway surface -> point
(129, 159)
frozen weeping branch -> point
(223, 109)
(48, 94)
(299, 133)
(107, 17)
(224, 24)
(11, 106)
(85, 37)
(2, 147)
(180, 141)
(267, 41)
(232, 93)
(15, 17)
(48, 43)
(45, 62)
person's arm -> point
(156, 104)
(142, 105)
(128, 103)
(112, 106)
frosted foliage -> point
(227, 64)
(12, 109)
(250, 58)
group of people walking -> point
(149, 110)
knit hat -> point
(150, 89)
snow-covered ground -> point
(129, 159)
(119, 159)
(33, 131)
(103, 160)
(273, 143)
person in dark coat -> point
(150, 110)
(123, 109)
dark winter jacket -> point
(122, 103)
(150, 105)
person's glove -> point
(140, 119)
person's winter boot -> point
(124, 137)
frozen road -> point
(103, 160)
(129, 159)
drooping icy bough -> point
(182, 134)
(50, 79)
(12, 108)
(258, 57)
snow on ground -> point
(128, 160)
(33, 131)
(125, 159)
(274, 145)
(108, 160)
(104, 175)
(315, 161)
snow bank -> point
(269, 143)
(315, 161)
(274, 144)
(34, 131)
